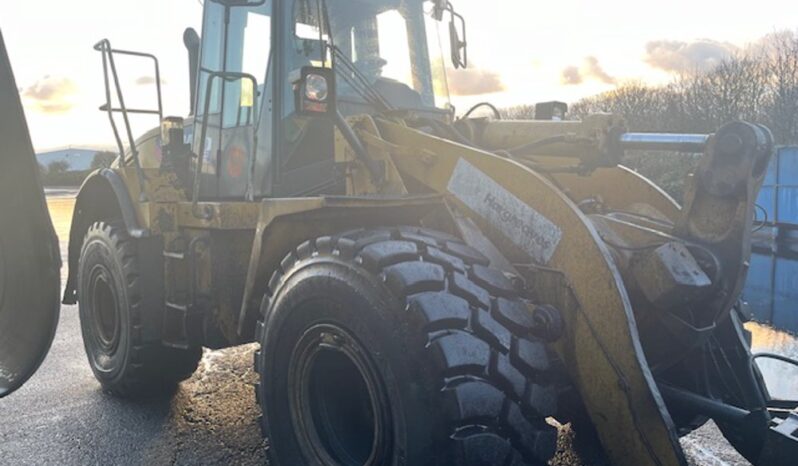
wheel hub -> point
(105, 310)
(339, 407)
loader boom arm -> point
(29, 257)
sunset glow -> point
(522, 51)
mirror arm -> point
(459, 47)
(463, 44)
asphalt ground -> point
(61, 417)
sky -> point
(521, 51)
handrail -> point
(227, 76)
(107, 51)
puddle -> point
(782, 378)
(61, 207)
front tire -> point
(399, 346)
(109, 293)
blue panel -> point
(785, 304)
(788, 205)
(788, 166)
(788, 241)
(787, 191)
(766, 200)
(763, 239)
(770, 175)
(758, 292)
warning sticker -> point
(520, 223)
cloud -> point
(51, 95)
(571, 76)
(474, 81)
(148, 81)
(590, 69)
(594, 69)
(677, 56)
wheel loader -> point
(424, 290)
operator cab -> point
(383, 55)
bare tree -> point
(782, 101)
(758, 84)
(519, 112)
(735, 89)
(58, 167)
(103, 159)
(644, 107)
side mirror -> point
(192, 42)
(457, 40)
(314, 91)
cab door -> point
(233, 99)
(29, 253)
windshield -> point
(393, 44)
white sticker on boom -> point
(519, 222)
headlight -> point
(316, 88)
(314, 91)
(171, 126)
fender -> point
(285, 223)
(103, 196)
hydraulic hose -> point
(357, 146)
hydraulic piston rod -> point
(667, 142)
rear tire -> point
(110, 319)
(399, 346)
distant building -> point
(78, 159)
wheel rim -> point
(338, 404)
(104, 310)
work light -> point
(315, 91)
(316, 88)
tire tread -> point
(151, 367)
(492, 369)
